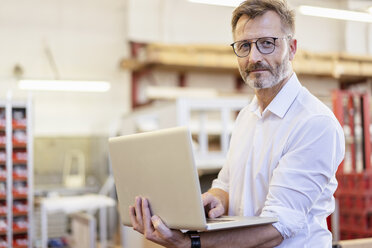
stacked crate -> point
(355, 200)
(354, 175)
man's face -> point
(258, 70)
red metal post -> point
(367, 144)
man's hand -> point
(153, 228)
(215, 202)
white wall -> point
(358, 36)
(87, 39)
(180, 21)
(318, 34)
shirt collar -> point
(282, 101)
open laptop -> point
(160, 166)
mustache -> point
(257, 66)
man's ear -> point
(292, 48)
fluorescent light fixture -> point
(336, 14)
(228, 3)
(64, 85)
(370, 10)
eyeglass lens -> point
(264, 45)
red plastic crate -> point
(354, 182)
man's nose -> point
(255, 55)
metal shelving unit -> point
(16, 174)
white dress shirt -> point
(283, 162)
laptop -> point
(160, 166)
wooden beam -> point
(221, 59)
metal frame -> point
(9, 105)
(9, 169)
(225, 107)
(30, 170)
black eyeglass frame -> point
(255, 42)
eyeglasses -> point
(264, 45)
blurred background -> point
(74, 73)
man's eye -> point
(267, 43)
(244, 46)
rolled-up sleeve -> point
(222, 182)
(310, 160)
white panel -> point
(356, 38)
(188, 22)
(145, 20)
(219, 81)
(319, 34)
(357, 34)
(178, 21)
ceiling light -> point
(336, 14)
(63, 85)
(229, 3)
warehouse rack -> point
(16, 174)
(183, 58)
(354, 175)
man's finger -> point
(147, 216)
(161, 227)
(216, 212)
(132, 214)
(207, 198)
(213, 205)
(133, 219)
(138, 210)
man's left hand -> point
(153, 228)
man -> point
(284, 152)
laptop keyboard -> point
(218, 220)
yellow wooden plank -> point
(220, 58)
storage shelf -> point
(221, 59)
(19, 214)
(20, 125)
(16, 174)
(19, 145)
(19, 179)
(17, 196)
(20, 231)
(18, 161)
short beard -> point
(278, 74)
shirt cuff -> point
(220, 185)
(290, 221)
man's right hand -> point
(215, 203)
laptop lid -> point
(159, 165)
